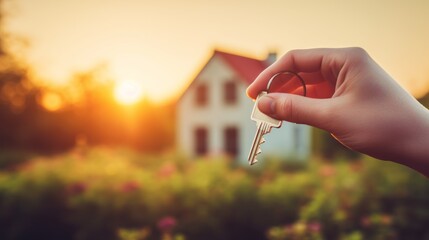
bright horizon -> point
(160, 45)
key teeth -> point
(262, 140)
(259, 151)
(254, 161)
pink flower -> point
(327, 171)
(130, 186)
(314, 227)
(356, 167)
(167, 170)
(166, 224)
(77, 188)
(365, 221)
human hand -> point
(355, 100)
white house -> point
(213, 114)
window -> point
(231, 141)
(201, 97)
(201, 141)
(230, 92)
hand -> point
(354, 99)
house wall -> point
(217, 115)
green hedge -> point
(119, 194)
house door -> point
(231, 141)
(200, 141)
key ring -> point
(287, 72)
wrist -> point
(416, 146)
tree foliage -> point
(87, 114)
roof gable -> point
(247, 68)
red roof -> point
(247, 68)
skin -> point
(353, 98)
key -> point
(264, 123)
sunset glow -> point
(128, 93)
(51, 101)
(170, 40)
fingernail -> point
(267, 105)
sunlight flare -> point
(128, 93)
(52, 101)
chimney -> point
(271, 58)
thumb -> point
(297, 109)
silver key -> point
(264, 123)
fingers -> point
(314, 65)
(321, 90)
(298, 109)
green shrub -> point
(120, 194)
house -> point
(213, 114)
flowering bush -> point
(118, 194)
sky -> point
(160, 45)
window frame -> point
(231, 140)
(201, 140)
(230, 92)
(201, 95)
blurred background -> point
(88, 111)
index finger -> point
(319, 61)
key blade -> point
(264, 123)
(260, 130)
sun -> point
(51, 101)
(128, 93)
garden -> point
(106, 193)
